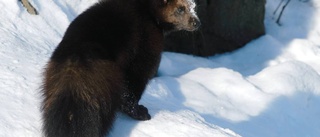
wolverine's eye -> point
(181, 10)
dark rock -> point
(226, 25)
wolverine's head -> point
(179, 14)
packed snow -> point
(269, 88)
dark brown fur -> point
(103, 63)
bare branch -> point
(275, 11)
(29, 7)
(283, 7)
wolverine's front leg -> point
(131, 107)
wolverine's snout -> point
(194, 23)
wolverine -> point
(104, 61)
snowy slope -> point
(269, 88)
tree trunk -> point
(226, 25)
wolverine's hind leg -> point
(131, 107)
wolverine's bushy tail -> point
(79, 102)
(68, 116)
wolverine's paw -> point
(131, 107)
(143, 113)
(139, 112)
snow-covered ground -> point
(269, 88)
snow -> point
(269, 88)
